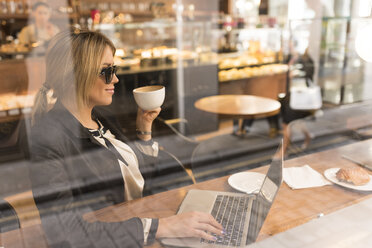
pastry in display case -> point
(125, 63)
(12, 104)
(241, 61)
(155, 43)
(16, 104)
(187, 57)
(163, 55)
(249, 72)
(256, 68)
(160, 56)
(14, 48)
(257, 48)
(156, 56)
(247, 59)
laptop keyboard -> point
(231, 212)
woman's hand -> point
(191, 224)
(144, 121)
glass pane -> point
(113, 112)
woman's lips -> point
(110, 91)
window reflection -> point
(256, 52)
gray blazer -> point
(71, 174)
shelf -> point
(14, 16)
(138, 69)
(13, 54)
(28, 16)
(9, 56)
(253, 77)
(134, 13)
(244, 66)
(330, 18)
(148, 25)
(57, 15)
(253, 29)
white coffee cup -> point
(149, 97)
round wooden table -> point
(239, 106)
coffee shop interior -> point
(241, 78)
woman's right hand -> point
(191, 224)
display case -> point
(250, 61)
(160, 38)
(16, 14)
(159, 52)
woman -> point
(77, 150)
(42, 30)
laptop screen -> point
(272, 181)
(261, 206)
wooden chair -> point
(25, 207)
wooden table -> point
(239, 107)
(290, 209)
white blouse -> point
(133, 179)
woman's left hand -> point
(145, 119)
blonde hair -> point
(73, 62)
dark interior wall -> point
(199, 81)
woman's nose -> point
(115, 79)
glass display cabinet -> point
(251, 61)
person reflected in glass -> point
(77, 148)
(41, 30)
(293, 119)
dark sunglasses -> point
(108, 72)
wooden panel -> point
(21, 76)
(14, 77)
(267, 86)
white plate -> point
(246, 182)
(330, 174)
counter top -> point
(291, 208)
(123, 70)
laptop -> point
(242, 215)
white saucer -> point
(330, 174)
(247, 182)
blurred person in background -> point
(291, 118)
(83, 162)
(41, 30)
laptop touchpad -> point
(197, 200)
